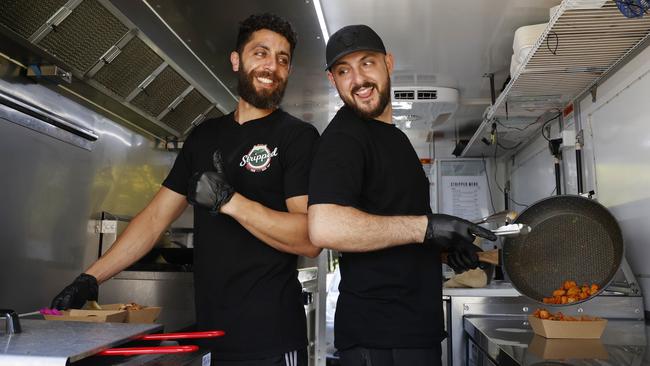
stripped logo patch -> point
(258, 159)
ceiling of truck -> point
(452, 43)
(436, 43)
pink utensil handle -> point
(134, 351)
(183, 335)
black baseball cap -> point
(352, 38)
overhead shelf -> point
(576, 50)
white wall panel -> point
(532, 174)
(620, 132)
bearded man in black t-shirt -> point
(246, 174)
(369, 200)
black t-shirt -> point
(389, 298)
(242, 285)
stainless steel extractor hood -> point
(155, 83)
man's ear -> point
(331, 77)
(234, 60)
(390, 62)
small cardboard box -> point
(553, 349)
(592, 329)
(148, 314)
(94, 316)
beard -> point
(264, 99)
(364, 111)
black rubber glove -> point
(463, 257)
(210, 189)
(456, 236)
(75, 295)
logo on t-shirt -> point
(258, 158)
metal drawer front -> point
(157, 96)
(25, 17)
(84, 36)
(190, 108)
(129, 69)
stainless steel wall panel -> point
(84, 36)
(187, 111)
(25, 17)
(163, 90)
(129, 68)
(174, 291)
(51, 190)
(621, 138)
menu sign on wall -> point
(464, 196)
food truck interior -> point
(533, 110)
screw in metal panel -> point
(580, 310)
(525, 309)
(466, 307)
(637, 311)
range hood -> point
(147, 77)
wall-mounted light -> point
(321, 20)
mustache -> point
(267, 75)
(366, 84)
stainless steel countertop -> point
(509, 341)
(155, 276)
(46, 343)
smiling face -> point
(263, 69)
(362, 79)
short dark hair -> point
(268, 21)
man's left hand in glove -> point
(210, 189)
(463, 257)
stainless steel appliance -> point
(151, 280)
(500, 299)
(509, 341)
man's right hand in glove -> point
(210, 189)
(75, 295)
(456, 236)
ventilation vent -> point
(429, 106)
(162, 91)
(129, 69)
(25, 17)
(427, 94)
(186, 112)
(403, 94)
(84, 36)
(129, 75)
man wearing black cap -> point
(369, 199)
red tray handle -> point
(134, 351)
(184, 335)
